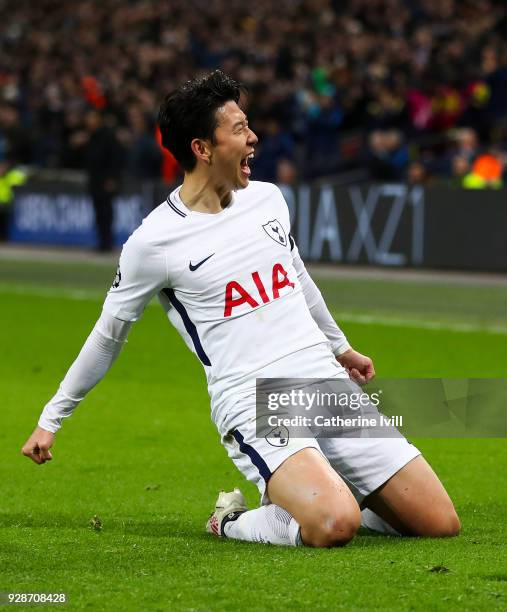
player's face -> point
(234, 146)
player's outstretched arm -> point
(98, 354)
(142, 273)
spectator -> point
(274, 144)
(144, 157)
(417, 174)
(486, 173)
(15, 142)
(387, 155)
(460, 168)
(103, 161)
(324, 117)
(466, 144)
(170, 168)
(10, 177)
(286, 173)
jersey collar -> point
(175, 203)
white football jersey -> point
(229, 286)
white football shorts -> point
(363, 463)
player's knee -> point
(447, 526)
(444, 524)
(338, 530)
(333, 529)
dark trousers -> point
(4, 221)
(103, 206)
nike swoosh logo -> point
(193, 267)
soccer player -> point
(220, 258)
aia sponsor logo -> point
(236, 295)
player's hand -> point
(359, 367)
(38, 444)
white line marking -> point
(98, 296)
(82, 295)
(419, 323)
(55, 292)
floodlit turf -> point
(142, 455)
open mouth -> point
(245, 168)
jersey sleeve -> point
(313, 297)
(142, 273)
(99, 351)
(317, 306)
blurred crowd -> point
(393, 89)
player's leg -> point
(390, 479)
(414, 502)
(308, 488)
(306, 501)
(269, 524)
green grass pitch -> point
(142, 455)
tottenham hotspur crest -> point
(117, 279)
(279, 436)
(275, 231)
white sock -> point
(373, 521)
(269, 524)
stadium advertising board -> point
(62, 214)
(379, 224)
(392, 225)
(401, 226)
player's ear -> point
(201, 149)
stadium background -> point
(385, 123)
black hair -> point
(189, 112)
